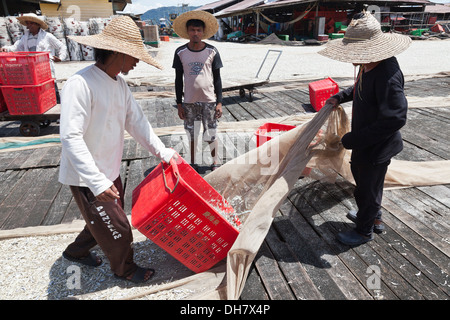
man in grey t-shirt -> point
(198, 64)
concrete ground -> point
(242, 60)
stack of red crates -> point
(26, 82)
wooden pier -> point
(300, 258)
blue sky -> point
(140, 6)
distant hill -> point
(163, 12)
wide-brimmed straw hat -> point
(33, 18)
(120, 35)
(364, 42)
(211, 24)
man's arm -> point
(179, 85)
(141, 130)
(17, 46)
(218, 91)
(216, 65)
(178, 66)
(345, 95)
(392, 110)
(179, 91)
(59, 47)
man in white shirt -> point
(97, 107)
(36, 38)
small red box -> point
(30, 99)
(268, 130)
(320, 91)
(180, 212)
(164, 38)
(24, 67)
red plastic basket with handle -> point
(267, 131)
(320, 91)
(30, 99)
(180, 212)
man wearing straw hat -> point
(379, 111)
(199, 63)
(36, 38)
(97, 107)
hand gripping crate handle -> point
(174, 167)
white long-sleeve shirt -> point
(95, 112)
(46, 42)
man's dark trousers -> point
(106, 225)
(369, 179)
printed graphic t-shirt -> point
(198, 69)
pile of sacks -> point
(11, 31)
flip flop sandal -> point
(90, 260)
(138, 276)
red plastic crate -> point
(267, 130)
(3, 106)
(320, 91)
(30, 99)
(24, 68)
(179, 211)
(2, 73)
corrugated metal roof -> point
(216, 4)
(244, 5)
(438, 8)
(238, 7)
(279, 3)
(247, 6)
(285, 2)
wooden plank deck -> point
(300, 258)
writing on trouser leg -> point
(107, 220)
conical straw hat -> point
(120, 35)
(364, 42)
(33, 18)
(211, 24)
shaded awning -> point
(437, 8)
(217, 5)
(242, 7)
(248, 6)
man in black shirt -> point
(199, 96)
(379, 111)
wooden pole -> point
(5, 8)
(257, 23)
